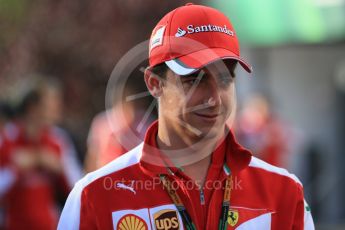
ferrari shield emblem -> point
(233, 217)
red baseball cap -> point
(191, 37)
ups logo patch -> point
(166, 219)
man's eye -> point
(226, 80)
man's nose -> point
(213, 94)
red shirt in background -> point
(29, 200)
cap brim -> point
(192, 62)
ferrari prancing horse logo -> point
(233, 217)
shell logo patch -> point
(131, 219)
(131, 222)
(233, 217)
(166, 219)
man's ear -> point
(153, 83)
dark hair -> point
(6, 111)
(35, 95)
(30, 99)
(160, 70)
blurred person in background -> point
(40, 161)
(6, 113)
(6, 178)
(109, 129)
(261, 131)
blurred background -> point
(56, 58)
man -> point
(37, 162)
(202, 179)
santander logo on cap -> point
(180, 33)
(191, 29)
(192, 36)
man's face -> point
(51, 107)
(200, 103)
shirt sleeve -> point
(8, 174)
(77, 212)
(70, 216)
(72, 171)
(303, 218)
(308, 219)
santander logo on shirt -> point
(191, 29)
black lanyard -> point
(187, 220)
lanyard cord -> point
(178, 203)
(187, 221)
(226, 203)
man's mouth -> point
(207, 116)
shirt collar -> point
(235, 157)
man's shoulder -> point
(70, 217)
(117, 166)
(270, 171)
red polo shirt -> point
(29, 200)
(128, 193)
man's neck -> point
(194, 161)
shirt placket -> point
(215, 204)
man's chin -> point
(207, 130)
